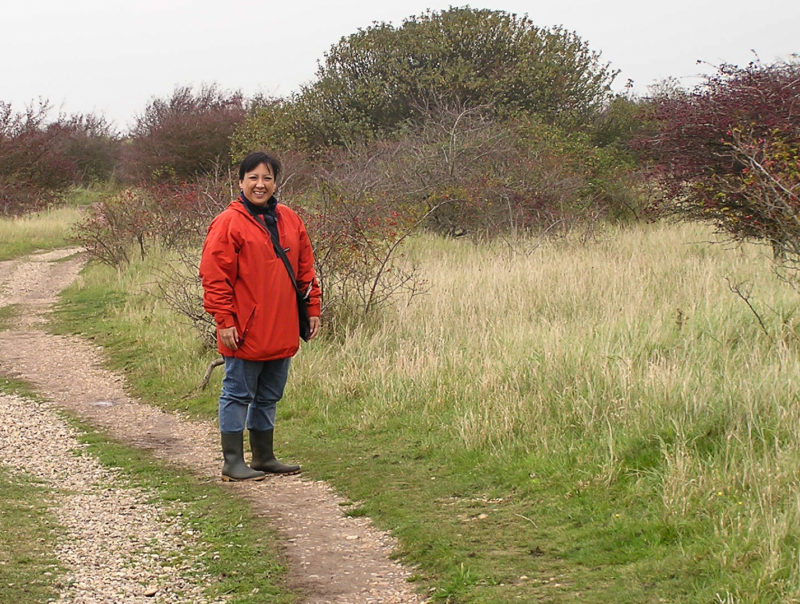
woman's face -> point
(258, 185)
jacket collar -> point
(268, 208)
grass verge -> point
(27, 537)
(48, 229)
(28, 534)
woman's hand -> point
(229, 337)
(314, 323)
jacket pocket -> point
(246, 327)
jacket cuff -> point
(224, 321)
(314, 310)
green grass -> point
(28, 534)
(591, 422)
(7, 315)
(17, 387)
(48, 229)
(87, 195)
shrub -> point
(727, 152)
(490, 177)
(32, 174)
(92, 146)
(357, 222)
(180, 138)
(171, 216)
(40, 158)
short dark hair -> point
(255, 159)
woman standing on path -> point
(250, 294)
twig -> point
(528, 519)
(736, 289)
(209, 370)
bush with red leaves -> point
(184, 136)
(729, 152)
(40, 158)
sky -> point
(112, 57)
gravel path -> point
(119, 547)
(332, 558)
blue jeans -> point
(250, 392)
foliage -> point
(279, 127)
(474, 174)
(514, 177)
(729, 149)
(41, 158)
(183, 136)
(181, 289)
(167, 215)
(620, 121)
(358, 221)
(136, 216)
(92, 145)
(372, 81)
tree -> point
(372, 81)
(728, 152)
(183, 136)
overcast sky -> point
(111, 57)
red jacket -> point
(245, 284)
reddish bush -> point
(727, 152)
(89, 142)
(41, 157)
(184, 136)
(357, 224)
(138, 218)
(32, 173)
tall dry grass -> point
(630, 349)
(625, 362)
(45, 230)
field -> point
(588, 420)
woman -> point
(248, 290)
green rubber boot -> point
(234, 467)
(264, 458)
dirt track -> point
(331, 558)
